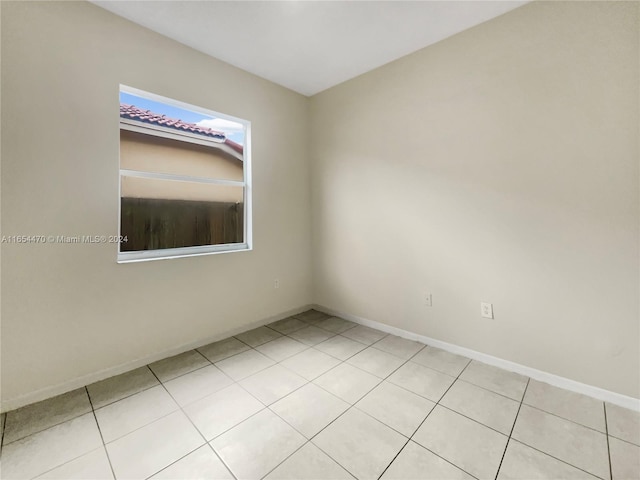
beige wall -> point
(71, 310)
(499, 165)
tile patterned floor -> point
(319, 397)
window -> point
(184, 179)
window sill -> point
(168, 253)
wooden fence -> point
(152, 224)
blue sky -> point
(232, 130)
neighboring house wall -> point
(161, 155)
(70, 312)
(499, 165)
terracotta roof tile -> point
(134, 113)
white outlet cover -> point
(486, 310)
(427, 300)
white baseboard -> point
(555, 380)
(59, 389)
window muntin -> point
(184, 186)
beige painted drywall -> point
(499, 165)
(69, 311)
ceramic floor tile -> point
(273, 383)
(311, 363)
(335, 324)
(311, 335)
(467, 444)
(360, 444)
(149, 449)
(197, 384)
(309, 463)
(578, 408)
(398, 346)
(244, 364)
(126, 415)
(203, 464)
(116, 388)
(482, 405)
(223, 349)
(340, 347)
(309, 409)
(495, 379)
(93, 465)
(396, 407)
(567, 441)
(625, 459)
(417, 463)
(179, 365)
(42, 415)
(364, 334)
(258, 336)
(38, 453)
(441, 360)
(223, 410)
(379, 363)
(281, 348)
(623, 423)
(421, 380)
(525, 463)
(288, 325)
(347, 382)
(311, 315)
(265, 439)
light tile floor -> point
(319, 397)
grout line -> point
(359, 399)
(568, 419)
(224, 358)
(201, 354)
(606, 429)
(300, 448)
(425, 419)
(6, 414)
(623, 440)
(474, 420)
(556, 458)
(126, 396)
(194, 426)
(182, 374)
(515, 420)
(491, 391)
(341, 359)
(104, 445)
(350, 406)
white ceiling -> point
(308, 46)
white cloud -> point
(222, 125)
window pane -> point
(150, 153)
(159, 214)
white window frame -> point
(141, 127)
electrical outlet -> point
(276, 283)
(486, 309)
(427, 300)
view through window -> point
(184, 179)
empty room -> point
(320, 240)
